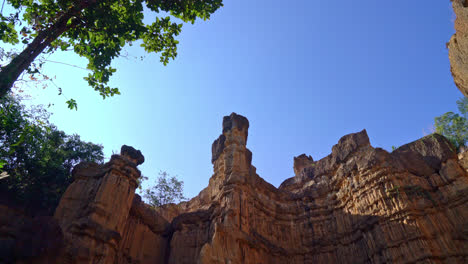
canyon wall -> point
(360, 204)
(458, 46)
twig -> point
(1, 11)
(71, 65)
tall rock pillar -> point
(230, 156)
(215, 213)
(94, 209)
(234, 176)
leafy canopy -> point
(454, 126)
(98, 30)
(167, 190)
(36, 156)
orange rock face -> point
(102, 220)
(358, 205)
(458, 46)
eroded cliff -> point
(458, 46)
(360, 204)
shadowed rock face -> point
(132, 154)
(458, 46)
(357, 205)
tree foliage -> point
(96, 30)
(454, 126)
(167, 190)
(36, 156)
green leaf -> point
(8, 33)
(72, 104)
(2, 163)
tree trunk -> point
(13, 70)
(10, 73)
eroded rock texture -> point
(102, 219)
(358, 205)
(458, 46)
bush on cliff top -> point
(454, 126)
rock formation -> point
(102, 219)
(458, 46)
(358, 205)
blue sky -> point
(303, 72)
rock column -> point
(93, 211)
(231, 159)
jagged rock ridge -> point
(358, 205)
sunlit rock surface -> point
(359, 204)
(458, 46)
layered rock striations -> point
(360, 204)
(458, 46)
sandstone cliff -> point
(458, 46)
(358, 205)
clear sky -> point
(304, 72)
